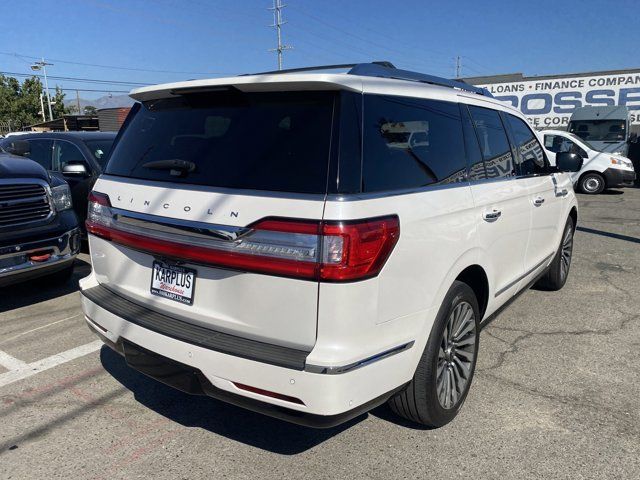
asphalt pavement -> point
(556, 392)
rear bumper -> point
(15, 265)
(325, 400)
(615, 177)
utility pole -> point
(277, 23)
(78, 101)
(458, 66)
(44, 118)
(42, 65)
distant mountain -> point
(108, 101)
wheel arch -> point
(573, 213)
(476, 277)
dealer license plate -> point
(173, 282)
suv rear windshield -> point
(256, 141)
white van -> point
(275, 241)
(600, 170)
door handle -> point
(538, 201)
(562, 193)
(492, 216)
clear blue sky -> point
(201, 38)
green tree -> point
(20, 103)
(90, 110)
(59, 109)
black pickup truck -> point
(39, 232)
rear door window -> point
(100, 150)
(411, 143)
(255, 141)
(493, 142)
(66, 153)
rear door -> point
(236, 171)
(502, 204)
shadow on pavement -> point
(235, 423)
(40, 290)
(617, 236)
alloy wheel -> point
(456, 356)
(565, 256)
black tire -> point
(592, 183)
(558, 272)
(420, 401)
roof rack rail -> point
(387, 70)
(384, 69)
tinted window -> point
(558, 143)
(493, 142)
(472, 147)
(411, 143)
(100, 150)
(258, 141)
(599, 130)
(40, 151)
(65, 153)
(349, 165)
(531, 156)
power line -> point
(366, 40)
(113, 67)
(79, 80)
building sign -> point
(549, 102)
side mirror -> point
(633, 137)
(19, 147)
(568, 162)
(75, 170)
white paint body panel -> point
(442, 232)
(595, 161)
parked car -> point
(271, 241)
(600, 170)
(39, 234)
(78, 156)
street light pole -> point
(44, 119)
(42, 65)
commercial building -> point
(548, 101)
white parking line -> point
(7, 340)
(24, 370)
(9, 362)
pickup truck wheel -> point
(592, 183)
(443, 377)
(558, 272)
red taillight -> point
(366, 246)
(313, 250)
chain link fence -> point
(7, 126)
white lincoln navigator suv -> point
(310, 245)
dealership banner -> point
(549, 102)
